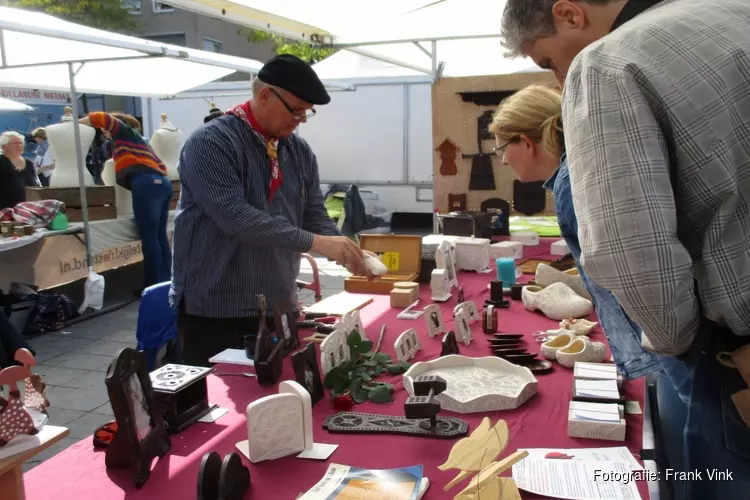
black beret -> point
(295, 76)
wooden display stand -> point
(400, 253)
(11, 474)
(100, 200)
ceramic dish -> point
(476, 384)
(540, 366)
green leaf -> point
(394, 369)
(355, 385)
(346, 366)
(383, 358)
(378, 370)
(333, 375)
(360, 368)
(364, 346)
(405, 365)
(354, 339)
(360, 396)
(368, 355)
(370, 363)
(381, 394)
(365, 377)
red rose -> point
(343, 402)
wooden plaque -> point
(307, 372)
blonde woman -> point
(16, 172)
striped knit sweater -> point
(131, 153)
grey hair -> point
(528, 20)
(5, 138)
(258, 85)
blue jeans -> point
(152, 193)
(713, 436)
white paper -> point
(232, 357)
(609, 454)
(633, 408)
(599, 412)
(595, 371)
(597, 388)
(577, 479)
(213, 415)
(319, 451)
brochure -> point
(344, 482)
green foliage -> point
(305, 51)
(101, 14)
(355, 377)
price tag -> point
(391, 260)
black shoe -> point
(208, 476)
(234, 479)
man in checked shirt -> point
(656, 112)
(250, 204)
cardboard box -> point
(401, 254)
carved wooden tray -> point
(476, 384)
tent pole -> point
(2, 49)
(80, 161)
(433, 56)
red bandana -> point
(244, 113)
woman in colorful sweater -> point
(138, 169)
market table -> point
(79, 472)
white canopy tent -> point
(9, 105)
(448, 37)
(41, 51)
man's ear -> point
(569, 14)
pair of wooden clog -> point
(219, 479)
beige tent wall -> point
(454, 119)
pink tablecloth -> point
(79, 472)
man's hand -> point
(343, 250)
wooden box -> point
(71, 196)
(402, 255)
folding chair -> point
(315, 284)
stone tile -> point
(69, 398)
(104, 347)
(61, 416)
(51, 345)
(84, 426)
(49, 452)
(81, 361)
(105, 409)
(92, 329)
(127, 336)
(92, 381)
(55, 375)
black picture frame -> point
(449, 344)
(307, 372)
(268, 354)
(141, 434)
(285, 323)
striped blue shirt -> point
(230, 244)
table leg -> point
(11, 484)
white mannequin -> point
(166, 143)
(61, 139)
(108, 173)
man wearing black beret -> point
(250, 204)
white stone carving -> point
(557, 301)
(440, 285)
(167, 143)
(559, 248)
(278, 425)
(511, 249)
(445, 258)
(353, 321)
(546, 275)
(471, 310)
(62, 140)
(463, 326)
(333, 351)
(527, 238)
(476, 384)
(434, 319)
(472, 254)
(108, 173)
(407, 344)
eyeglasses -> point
(298, 114)
(498, 150)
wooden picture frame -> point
(141, 433)
(307, 372)
(285, 323)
